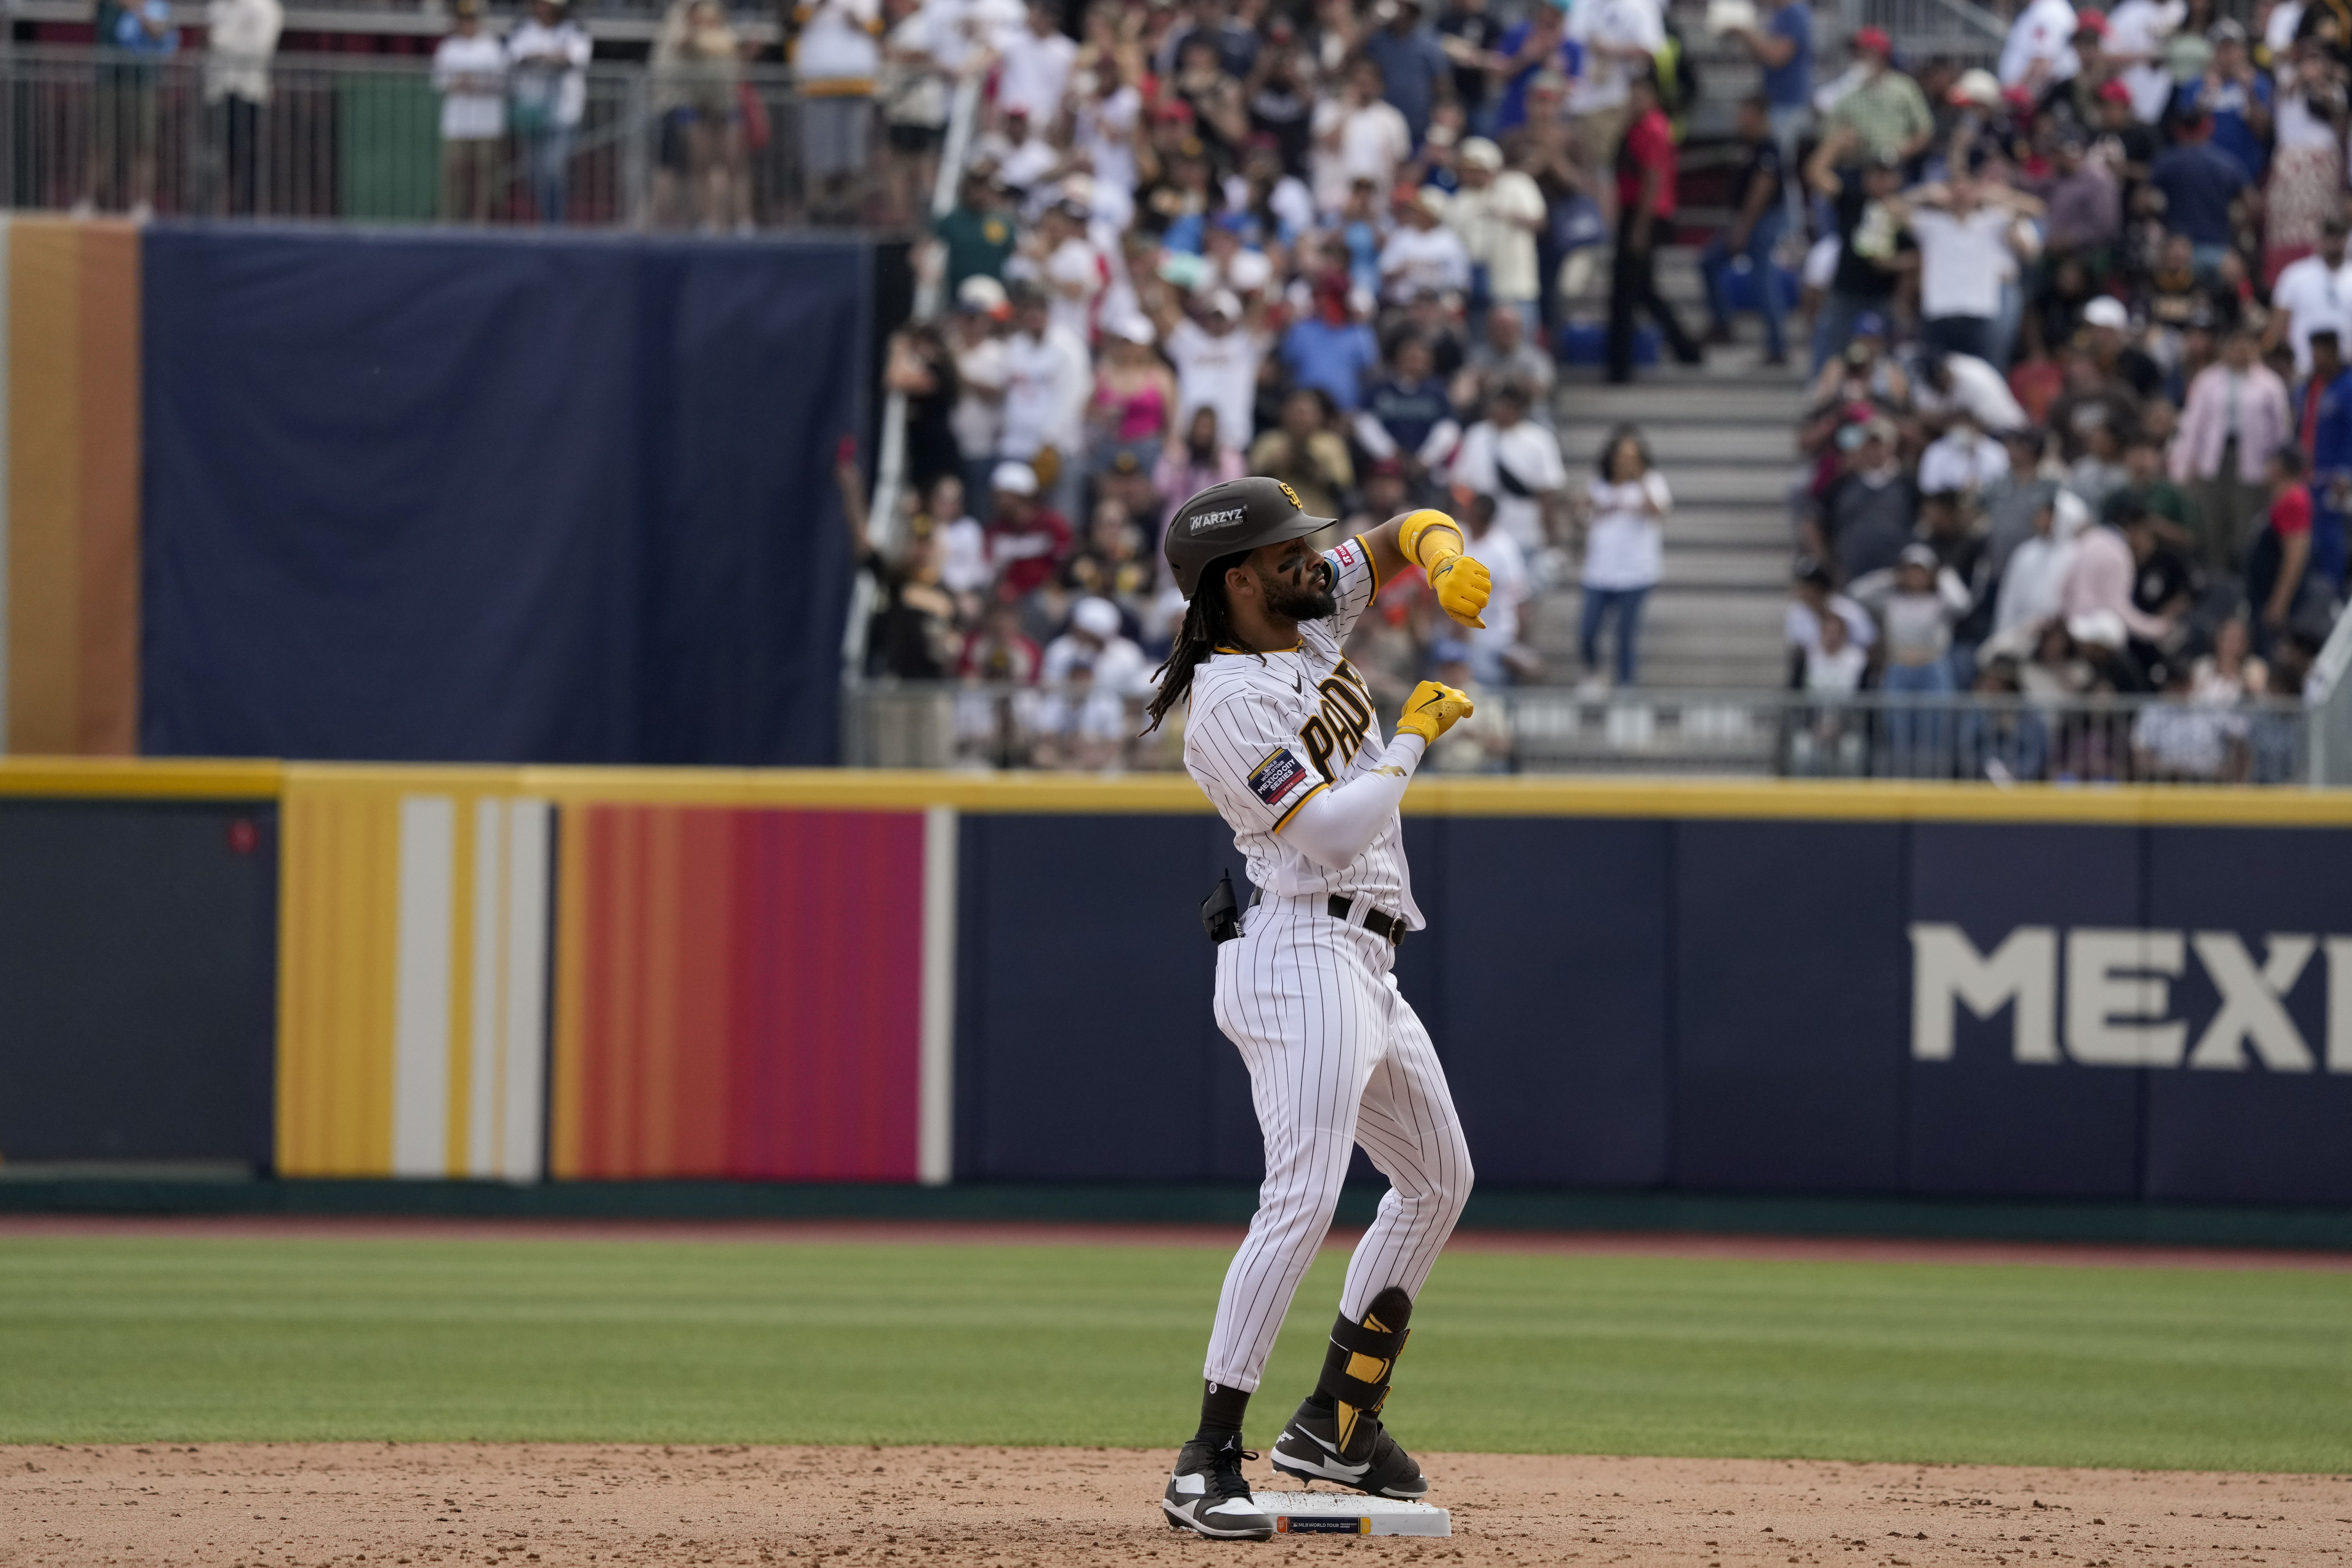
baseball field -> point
(281, 1392)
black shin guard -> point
(1362, 1359)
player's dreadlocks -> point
(1208, 621)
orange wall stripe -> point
(107, 717)
(44, 479)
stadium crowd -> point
(2075, 422)
(2080, 423)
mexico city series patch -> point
(1274, 780)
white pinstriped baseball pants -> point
(1336, 1057)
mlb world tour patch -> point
(1274, 780)
(1335, 1513)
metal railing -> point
(1543, 730)
(1930, 29)
(359, 139)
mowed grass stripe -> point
(163, 1340)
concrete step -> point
(1704, 443)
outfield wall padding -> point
(1931, 994)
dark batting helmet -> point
(1232, 519)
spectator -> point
(1216, 358)
(2278, 584)
(1035, 69)
(470, 72)
(2147, 487)
(1498, 651)
(1201, 459)
(1497, 214)
(1645, 202)
(920, 365)
(1918, 601)
(836, 60)
(2101, 578)
(704, 63)
(1415, 75)
(1963, 460)
(1782, 46)
(1950, 384)
(1873, 250)
(2035, 574)
(912, 635)
(2135, 32)
(1407, 415)
(2312, 294)
(2165, 582)
(2326, 436)
(240, 37)
(1097, 680)
(1813, 603)
(913, 98)
(1754, 234)
(547, 60)
(1306, 453)
(1424, 252)
(1480, 742)
(2084, 206)
(1885, 112)
(2305, 187)
(1621, 40)
(1469, 34)
(962, 544)
(2202, 186)
(1517, 461)
(977, 235)
(1965, 232)
(2234, 97)
(1026, 541)
(1624, 553)
(1048, 379)
(1867, 515)
(1135, 395)
(2236, 414)
(1505, 351)
(2039, 52)
(1332, 350)
(1358, 134)
(982, 373)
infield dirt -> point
(443, 1504)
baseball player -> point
(1281, 734)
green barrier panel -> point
(389, 148)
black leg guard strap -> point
(1362, 1357)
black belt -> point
(1340, 906)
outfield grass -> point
(160, 1339)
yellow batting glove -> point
(1433, 540)
(1433, 709)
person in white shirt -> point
(1968, 244)
(975, 334)
(1423, 251)
(1948, 383)
(836, 61)
(2136, 30)
(2040, 50)
(964, 569)
(2312, 294)
(1049, 377)
(1095, 678)
(1497, 213)
(2031, 584)
(240, 37)
(470, 72)
(1072, 272)
(1216, 360)
(1617, 35)
(1103, 115)
(1964, 459)
(1510, 456)
(547, 58)
(1036, 66)
(1499, 650)
(1358, 135)
(1624, 551)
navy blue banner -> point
(2010, 1011)
(438, 497)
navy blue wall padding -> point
(138, 979)
(1982, 1124)
(459, 498)
(1552, 937)
(1792, 994)
(2252, 1135)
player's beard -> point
(1311, 600)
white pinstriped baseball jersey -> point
(1265, 733)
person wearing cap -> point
(2039, 52)
(1969, 238)
(1869, 511)
(1918, 601)
(470, 72)
(1407, 415)
(1423, 251)
(1216, 349)
(977, 235)
(2236, 414)
(1066, 264)
(1497, 213)
(1645, 210)
(1886, 112)
(2203, 188)
(1093, 675)
(1873, 250)
(2234, 96)
(1027, 541)
(2312, 294)
(547, 56)
(975, 337)
(1049, 377)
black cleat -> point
(1208, 1495)
(1368, 1461)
